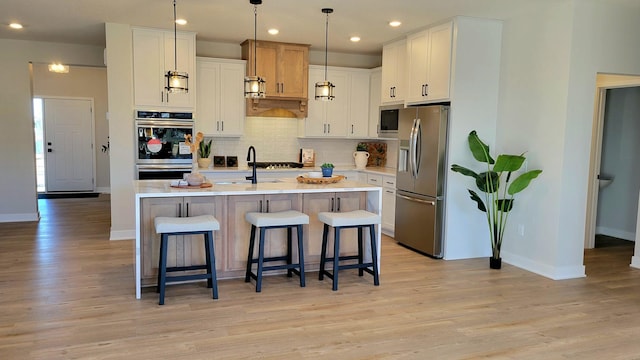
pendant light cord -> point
(255, 40)
(326, 42)
(175, 39)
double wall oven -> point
(160, 144)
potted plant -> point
(204, 151)
(327, 169)
(361, 156)
(496, 204)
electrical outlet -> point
(521, 229)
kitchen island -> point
(228, 202)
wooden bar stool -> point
(343, 220)
(266, 221)
(172, 226)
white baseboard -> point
(122, 235)
(19, 217)
(616, 233)
(635, 262)
(103, 190)
(551, 272)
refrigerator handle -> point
(412, 150)
(416, 200)
(417, 148)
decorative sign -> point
(184, 149)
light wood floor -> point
(66, 292)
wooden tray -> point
(322, 180)
(201, 186)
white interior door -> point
(68, 144)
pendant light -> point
(254, 86)
(324, 89)
(177, 82)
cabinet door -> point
(388, 209)
(338, 108)
(232, 102)
(359, 105)
(148, 67)
(314, 124)
(374, 102)
(293, 71)
(208, 103)
(238, 229)
(417, 51)
(185, 63)
(267, 60)
(393, 68)
(439, 64)
(150, 242)
(194, 253)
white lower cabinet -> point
(388, 183)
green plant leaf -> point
(522, 181)
(508, 163)
(464, 171)
(479, 149)
(477, 199)
(488, 181)
(507, 203)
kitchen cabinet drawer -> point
(374, 179)
(389, 182)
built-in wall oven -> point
(160, 144)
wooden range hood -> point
(285, 68)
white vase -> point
(361, 158)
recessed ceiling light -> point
(395, 23)
(181, 22)
(15, 26)
(273, 31)
(355, 38)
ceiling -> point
(231, 21)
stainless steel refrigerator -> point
(422, 135)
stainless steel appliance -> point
(422, 135)
(389, 119)
(160, 144)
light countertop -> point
(243, 169)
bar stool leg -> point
(207, 251)
(289, 255)
(159, 266)
(336, 257)
(163, 267)
(360, 251)
(211, 263)
(260, 260)
(374, 255)
(323, 254)
(300, 255)
(247, 275)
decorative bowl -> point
(195, 179)
(315, 174)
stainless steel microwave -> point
(389, 117)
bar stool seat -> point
(359, 219)
(265, 221)
(195, 225)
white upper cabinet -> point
(347, 115)
(220, 106)
(394, 72)
(374, 102)
(429, 64)
(153, 56)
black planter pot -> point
(495, 263)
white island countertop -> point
(162, 188)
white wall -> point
(18, 197)
(550, 61)
(617, 203)
(120, 90)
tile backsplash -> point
(276, 139)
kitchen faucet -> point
(253, 177)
